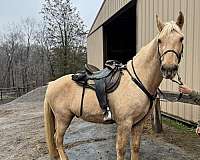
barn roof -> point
(107, 10)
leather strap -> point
(178, 55)
(138, 82)
(82, 98)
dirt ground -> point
(22, 136)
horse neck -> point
(147, 66)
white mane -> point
(168, 28)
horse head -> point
(170, 45)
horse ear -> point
(180, 20)
(160, 24)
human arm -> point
(198, 128)
(195, 95)
(185, 89)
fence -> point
(14, 92)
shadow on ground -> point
(91, 141)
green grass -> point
(179, 126)
(6, 100)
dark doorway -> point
(120, 35)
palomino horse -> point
(129, 104)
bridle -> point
(178, 55)
(139, 83)
(179, 82)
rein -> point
(179, 82)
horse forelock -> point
(168, 28)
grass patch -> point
(7, 100)
(178, 125)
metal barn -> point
(122, 27)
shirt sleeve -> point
(198, 123)
(195, 96)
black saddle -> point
(90, 69)
(110, 74)
(102, 81)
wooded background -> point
(33, 53)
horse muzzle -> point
(169, 71)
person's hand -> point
(198, 131)
(184, 89)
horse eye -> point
(159, 40)
(181, 39)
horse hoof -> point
(54, 158)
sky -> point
(15, 10)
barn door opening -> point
(120, 35)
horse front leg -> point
(123, 132)
(136, 133)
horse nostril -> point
(175, 68)
(162, 68)
(170, 68)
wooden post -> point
(156, 117)
(18, 90)
(1, 95)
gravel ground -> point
(22, 136)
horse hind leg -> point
(136, 133)
(49, 123)
(61, 125)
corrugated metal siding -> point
(95, 48)
(109, 8)
(146, 30)
(95, 39)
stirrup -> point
(108, 116)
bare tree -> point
(28, 29)
(9, 46)
(34, 54)
(44, 46)
(65, 32)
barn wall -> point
(109, 8)
(189, 67)
(95, 38)
(95, 48)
